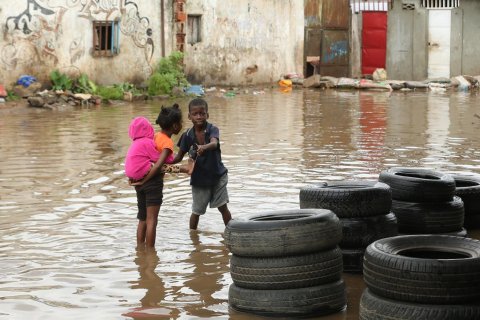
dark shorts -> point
(149, 194)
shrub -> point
(60, 81)
(110, 93)
(167, 75)
(161, 84)
(84, 85)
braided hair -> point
(168, 116)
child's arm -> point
(178, 156)
(212, 145)
(161, 160)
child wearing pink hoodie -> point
(141, 156)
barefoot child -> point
(209, 176)
(140, 158)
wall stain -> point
(35, 34)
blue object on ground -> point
(196, 90)
(26, 80)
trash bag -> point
(196, 90)
(26, 80)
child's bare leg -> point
(141, 232)
(226, 215)
(194, 218)
(151, 230)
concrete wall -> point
(471, 31)
(407, 43)
(407, 36)
(245, 42)
(41, 35)
(356, 45)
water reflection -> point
(68, 217)
(205, 281)
(150, 282)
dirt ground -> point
(10, 105)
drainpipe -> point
(162, 28)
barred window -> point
(446, 4)
(106, 36)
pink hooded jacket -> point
(142, 152)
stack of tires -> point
(424, 201)
(286, 263)
(363, 208)
(415, 277)
(467, 187)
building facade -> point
(112, 41)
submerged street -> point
(68, 215)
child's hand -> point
(135, 183)
(200, 150)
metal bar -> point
(105, 40)
(118, 37)
(112, 39)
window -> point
(106, 38)
(446, 4)
(193, 29)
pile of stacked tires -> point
(363, 208)
(467, 187)
(286, 263)
(415, 277)
(424, 201)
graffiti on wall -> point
(32, 36)
(37, 35)
(138, 28)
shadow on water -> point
(68, 217)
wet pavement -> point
(68, 217)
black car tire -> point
(348, 199)
(317, 300)
(374, 307)
(287, 272)
(418, 184)
(432, 269)
(283, 233)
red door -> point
(374, 40)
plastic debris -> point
(26, 80)
(196, 90)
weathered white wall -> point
(245, 41)
(39, 36)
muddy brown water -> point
(67, 215)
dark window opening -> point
(106, 38)
(193, 29)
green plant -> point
(60, 81)
(110, 93)
(11, 96)
(128, 87)
(85, 85)
(159, 84)
(168, 74)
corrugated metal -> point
(327, 25)
(313, 13)
(336, 14)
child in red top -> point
(170, 121)
(140, 158)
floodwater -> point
(68, 216)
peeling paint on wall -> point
(240, 34)
(44, 34)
